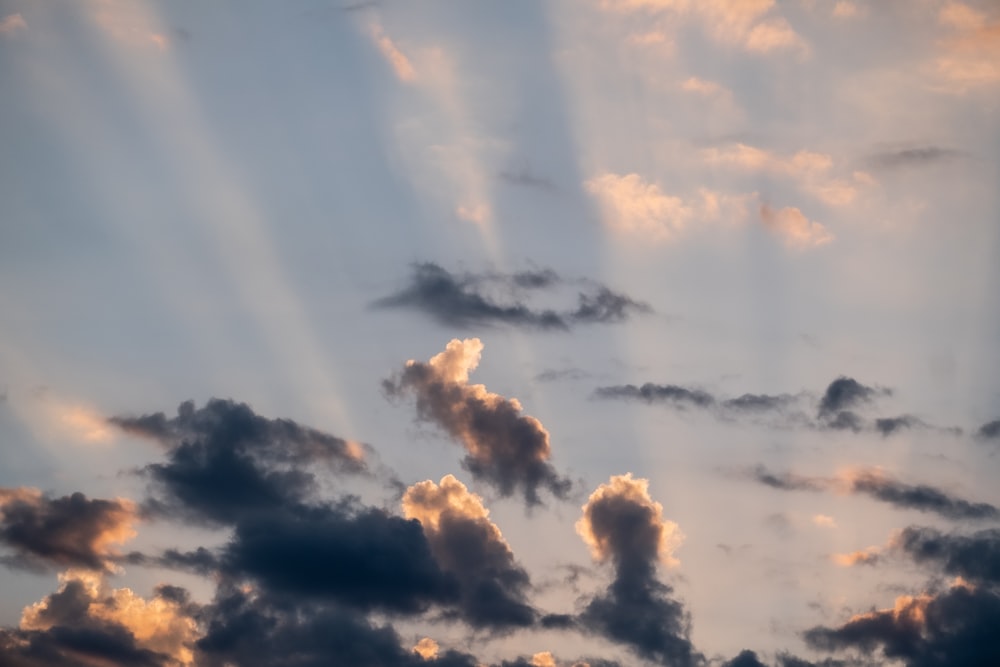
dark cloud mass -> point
(495, 298)
(889, 425)
(71, 531)
(974, 557)
(224, 461)
(621, 523)
(844, 393)
(505, 448)
(955, 628)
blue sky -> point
(627, 214)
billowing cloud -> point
(840, 397)
(87, 623)
(71, 531)
(876, 484)
(622, 524)
(466, 299)
(225, 461)
(469, 546)
(505, 448)
(793, 227)
(954, 627)
(744, 659)
(426, 648)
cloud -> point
(12, 23)
(465, 299)
(889, 425)
(974, 557)
(469, 546)
(71, 531)
(841, 395)
(824, 521)
(844, 9)
(658, 393)
(748, 24)
(875, 483)
(505, 448)
(955, 627)
(86, 623)
(794, 228)
(224, 461)
(869, 556)
(921, 156)
(623, 525)
(396, 59)
(426, 648)
(744, 659)
(989, 430)
(631, 205)
(808, 169)
(968, 58)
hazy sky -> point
(605, 332)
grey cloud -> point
(878, 485)
(71, 531)
(974, 557)
(224, 461)
(658, 393)
(956, 627)
(914, 157)
(989, 431)
(844, 393)
(889, 425)
(464, 299)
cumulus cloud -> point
(469, 546)
(496, 298)
(954, 627)
(989, 430)
(505, 448)
(793, 227)
(71, 531)
(87, 623)
(623, 525)
(225, 461)
(875, 483)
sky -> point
(549, 334)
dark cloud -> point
(744, 659)
(788, 481)
(525, 178)
(919, 497)
(552, 375)
(466, 544)
(224, 461)
(495, 298)
(845, 420)
(889, 425)
(506, 449)
(71, 531)
(989, 431)
(956, 627)
(362, 558)
(621, 523)
(844, 393)
(759, 402)
(974, 557)
(914, 157)
(658, 393)
(253, 630)
(876, 484)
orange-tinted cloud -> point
(426, 648)
(72, 531)
(12, 23)
(794, 228)
(969, 57)
(400, 64)
(505, 448)
(621, 522)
